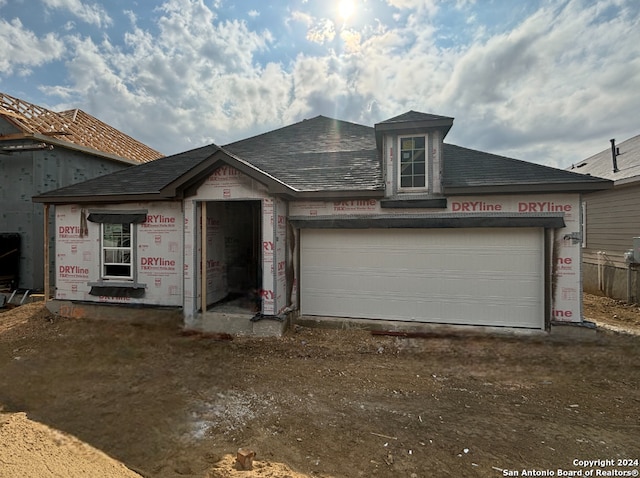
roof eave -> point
(102, 199)
(333, 195)
(65, 144)
(181, 187)
(627, 181)
(412, 127)
(529, 188)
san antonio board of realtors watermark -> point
(601, 467)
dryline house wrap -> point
(329, 220)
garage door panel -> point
(489, 277)
(399, 281)
(494, 310)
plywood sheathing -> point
(74, 126)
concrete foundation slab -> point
(413, 328)
(116, 312)
(583, 331)
(240, 324)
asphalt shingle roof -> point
(324, 155)
(601, 164)
(144, 179)
(412, 122)
(318, 154)
(416, 117)
(468, 168)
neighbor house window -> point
(413, 162)
(117, 252)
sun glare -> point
(346, 8)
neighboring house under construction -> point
(41, 150)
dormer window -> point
(413, 164)
(411, 147)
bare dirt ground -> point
(315, 403)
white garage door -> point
(486, 276)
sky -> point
(546, 81)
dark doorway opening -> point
(234, 256)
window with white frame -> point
(117, 251)
(413, 162)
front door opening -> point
(234, 256)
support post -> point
(629, 284)
(203, 256)
(46, 254)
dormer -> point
(411, 146)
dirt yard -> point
(315, 403)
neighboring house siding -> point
(25, 174)
(613, 220)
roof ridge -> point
(413, 115)
(293, 125)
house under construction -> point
(41, 150)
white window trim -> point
(399, 164)
(131, 248)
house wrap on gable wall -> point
(327, 220)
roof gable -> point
(413, 122)
(73, 127)
(415, 116)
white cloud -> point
(198, 75)
(254, 13)
(462, 4)
(351, 39)
(430, 6)
(538, 92)
(131, 15)
(544, 82)
(92, 14)
(60, 92)
(324, 31)
(300, 17)
(22, 49)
